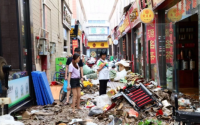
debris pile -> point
(138, 102)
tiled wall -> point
(53, 25)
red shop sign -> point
(151, 37)
(74, 45)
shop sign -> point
(74, 29)
(150, 29)
(74, 45)
(97, 38)
(66, 16)
(169, 43)
(93, 45)
(124, 48)
(18, 90)
(86, 42)
(125, 26)
(133, 15)
(79, 32)
(83, 38)
(98, 30)
(157, 3)
(115, 42)
(174, 14)
(147, 15)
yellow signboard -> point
(93, 45)
(174, 14)
(147, 15)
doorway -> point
(187, 55)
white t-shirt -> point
(104, 73)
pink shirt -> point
(75, 72)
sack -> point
(87, 70)
(112, 74)
(95, 111)
(65, 85)
(103, 100)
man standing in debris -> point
(103, 73)
(80, 64)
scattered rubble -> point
(139, 102)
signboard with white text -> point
(98, 30)
(18, 90)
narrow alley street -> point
(100, 62)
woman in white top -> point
(103, 70)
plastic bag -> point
(65, 85)
(112, 74)
(9, 120)
(120, 75)
(184, 102)
(103, 100)
(116, 121)
(95, 111)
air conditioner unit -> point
(43, 47)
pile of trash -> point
(119, 107)
(139, 102)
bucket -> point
(53, 83)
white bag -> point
(103, 100)
(9, 120)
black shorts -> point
(75, 82)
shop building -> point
(98, 31)
(16, 46)
(177, 33)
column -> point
(68, 43)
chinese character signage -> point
(125, 25)
(74, 45)
(147, 15)
(98, 30)
(169, 43)
(150, 37)
(124, 48)
(93, 45)
(66, 16)
(174, 15)
(133, 15)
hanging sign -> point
(147, 15)
(94, 45)
(150, 37)
(74, 44)
(133, 15)
(115, 42)
(174, 14)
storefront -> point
(97, 47)
(136, 45)
(16, 46)
(175, 36)
(66, 25)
